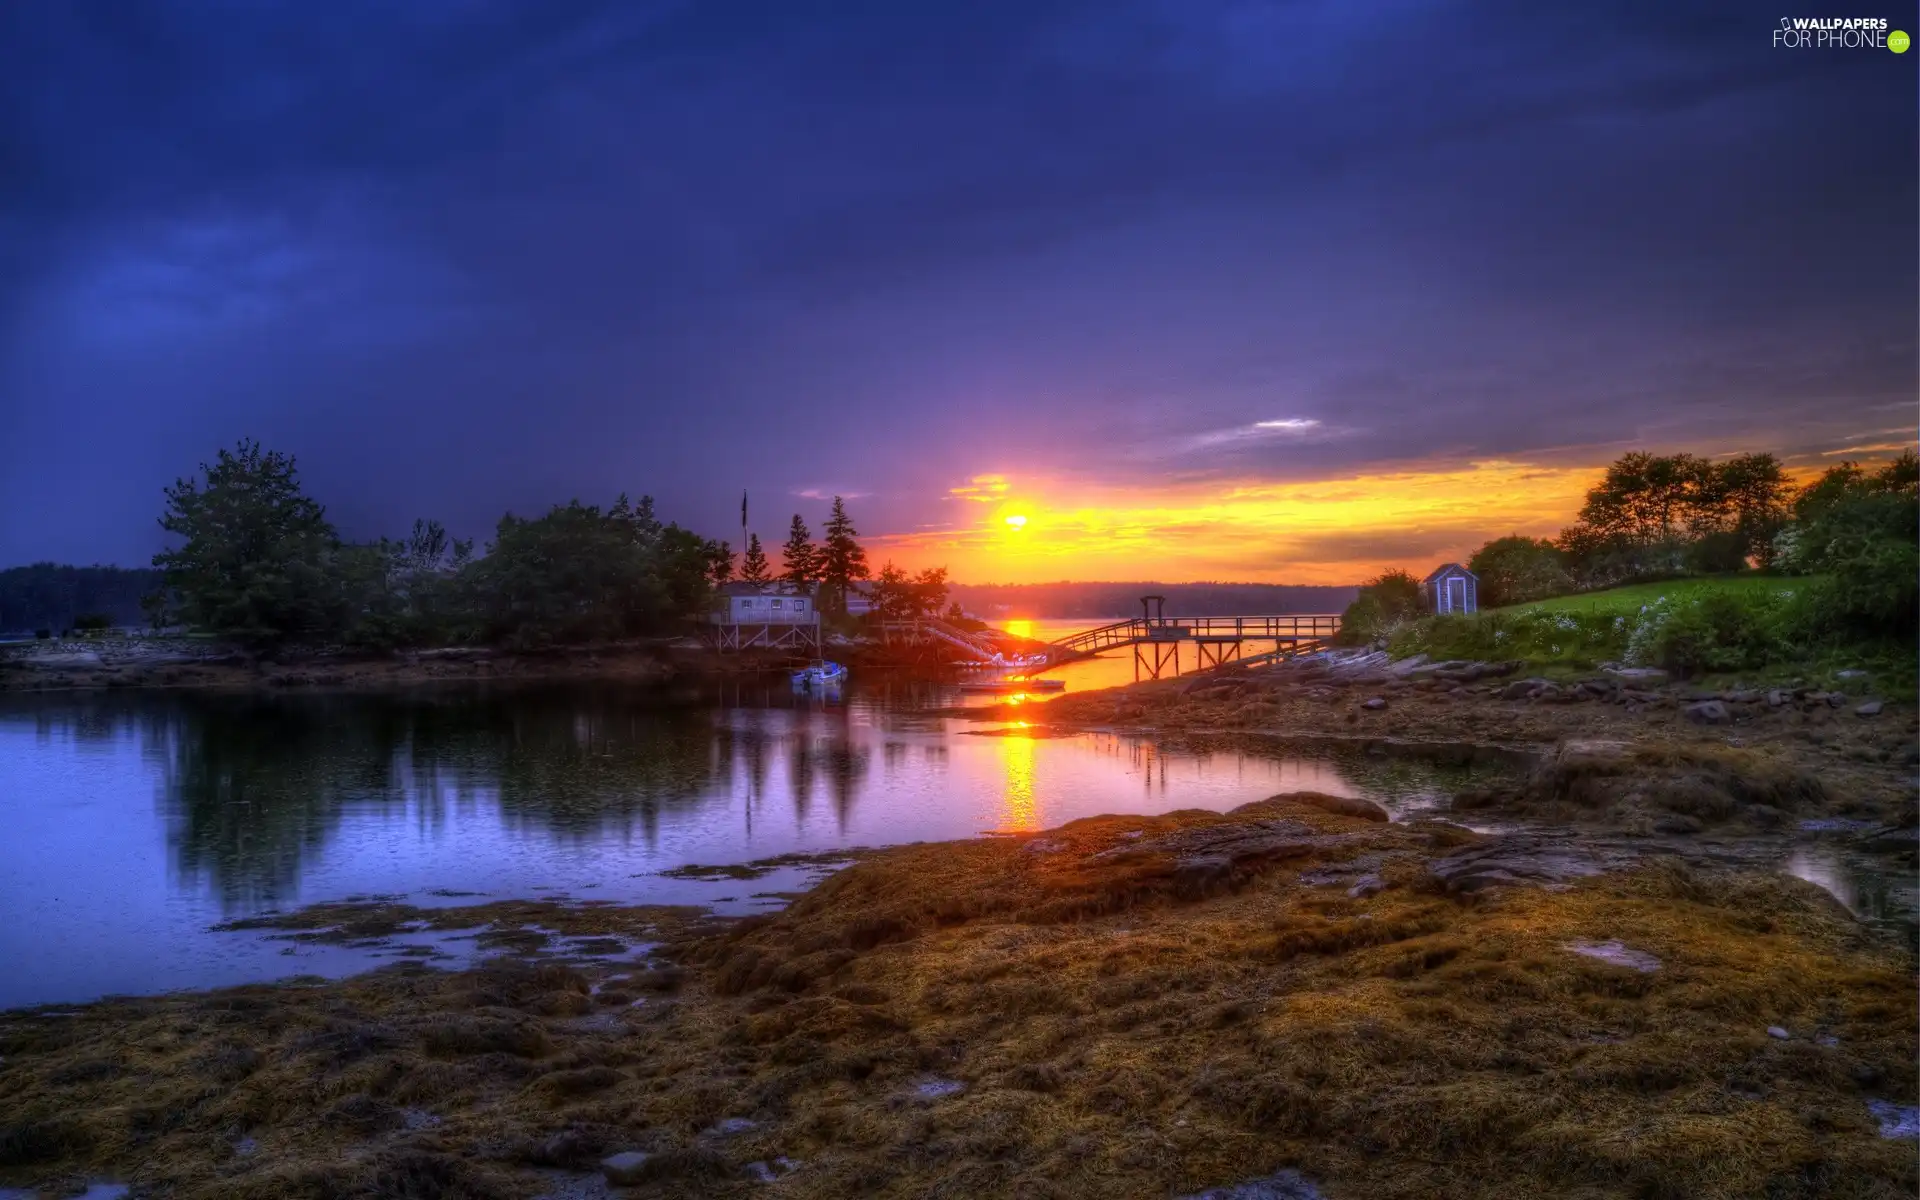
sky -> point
(1203, 289)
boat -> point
(1005, 687)
(820, 675)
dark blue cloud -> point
(474, 254)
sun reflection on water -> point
(1020, 810)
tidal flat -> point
(1140, 1005)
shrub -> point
(1709, 631)
(1385, 602)
(1573, 639)
(42, 634)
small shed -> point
(1452, 589)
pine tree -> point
(753, 567)
(841, 559)
(720, 563)
(800, 560)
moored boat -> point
(820, 675)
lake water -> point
(135, 821)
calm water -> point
(134, 822)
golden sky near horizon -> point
(1331, 531)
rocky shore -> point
(93, 663)
(1295, 999)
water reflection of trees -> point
(251, 787)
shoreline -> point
(1139, 1005)
(130, 665)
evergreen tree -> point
(841, 559)
(720, 567)
(799, 559)
(753, 566)
(258, 559)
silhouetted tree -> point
(753, 565)
(720, 566)
(842, 560)
(799, 559)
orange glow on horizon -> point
(1336, 531)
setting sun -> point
(1017, 521)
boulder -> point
(1374, 702)
(1871, 708)
(1709, 712)
(1519, 689)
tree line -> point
(258, 561)
(1656, 517)
(54, 597)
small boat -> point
(820, 675)
(1013, 687)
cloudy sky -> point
(1203, 288)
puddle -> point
(1281, 1185)
(1896, 1120)
(935, 1088)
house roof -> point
(1447, 568)
(736, 588)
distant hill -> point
(1123, 599)
(50, 595)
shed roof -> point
(1448, 568)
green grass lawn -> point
(1629, 600)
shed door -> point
(1456, 594)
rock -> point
(1374, 702)
(1366, 885)
(1870, 709)
(1637, 676)
(1709, 712)
(731, 1127)
(1743, 697)
(1678, 824)
(1519, 689)
(1850, 674)
(1619, 955)
(1774, 1031)
(625, 1168)
(1514, 860)
(1776, 698)
(1346, 806)
(1407, 666)
(1837, 699)
(1764, 816)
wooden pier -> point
(1217, 642)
